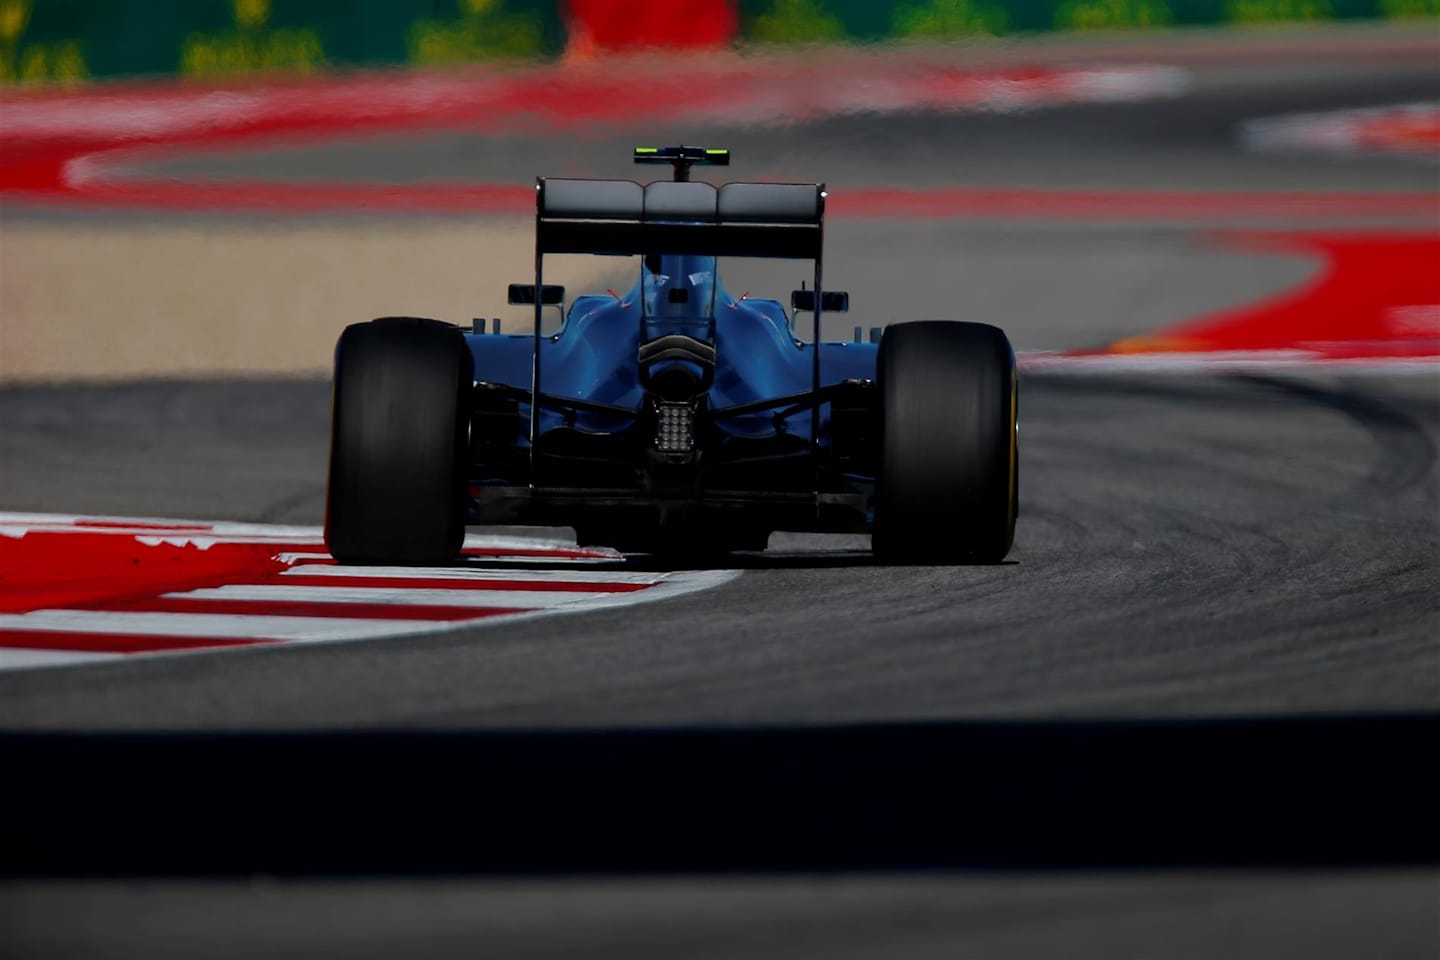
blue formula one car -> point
(677, 417)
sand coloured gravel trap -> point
(117, 300)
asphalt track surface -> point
(1195, 715)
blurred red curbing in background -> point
(626, 26)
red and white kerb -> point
(76, 589)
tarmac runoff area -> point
(1186, 718)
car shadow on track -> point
(1260, 791)
(804, 560)
(665, 563)
(787, 551)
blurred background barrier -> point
(71, 41)
(877, 21)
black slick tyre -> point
(948, 489)
(398, 441)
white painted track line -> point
(215, 626)
(1218, 361)
(473, 573)
(19, 658)
(397, 596)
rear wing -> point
(783, 220)
(621, 217)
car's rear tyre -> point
(948, 489)
(399, 431)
